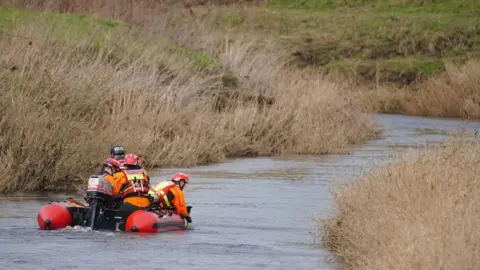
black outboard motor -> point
(99, 197)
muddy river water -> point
(255, 213)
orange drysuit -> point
(170, 195)
(114, 181)
(131, 185)
(134, 187)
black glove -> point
(188, 219)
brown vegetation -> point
(67, 96)
(129, 10)
(455, 93)
(420, 212)
(239, 65)
(394, 64)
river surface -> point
(254, 213)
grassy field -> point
(408, 57)
(419, 212)
(383, 40)
(73, 85)
(394, 55)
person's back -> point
(134, 186)
(159, 186)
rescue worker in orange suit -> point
(170, 194)
(134, 162)
(113, 174)
(134, 186)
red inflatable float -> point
(55, 216)
(152, 222)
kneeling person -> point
(170, 194)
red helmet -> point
(180, 176)
(130, 159)
(113, 163)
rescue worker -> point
(112, 173)
(130, 162)
(133, 162)
(118, 152)
(170, 194)
(134, 186)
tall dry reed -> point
(454, 93)
(129, 10)
(419, 212)
(204, 25)
(66, 97)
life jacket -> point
(136, 184)
(162, 196)
(158, 187)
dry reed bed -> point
(418, 212)
(128, 10)
(65, 101)
(451, 94)
(455, 93)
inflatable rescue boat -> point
(70, 213)
(98, 214)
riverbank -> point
(413, 58)
(73, 85)
(245, 62)
(420, 211)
